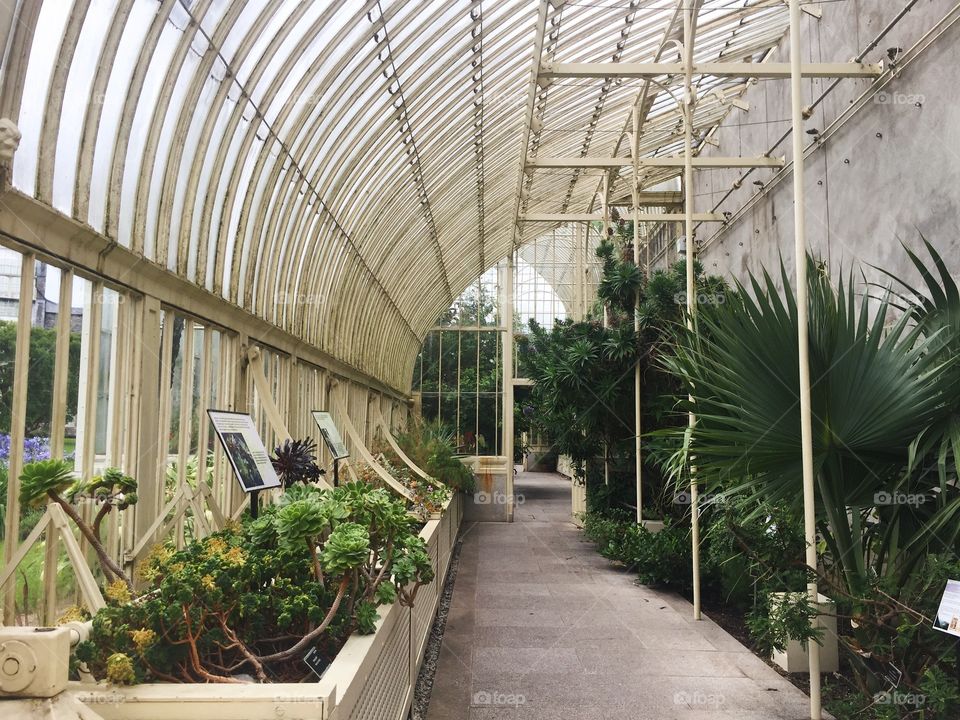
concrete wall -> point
(888, 174)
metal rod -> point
(637, 378)
(806, 424)
(688, 102)
(18, 415)
(507, 321)
(765, 70)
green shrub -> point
(431, 446)
(660, 559)
(255, 597)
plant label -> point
(316, 662)
(244, 449)
(893, 675)
(948, 614)
(331, 436)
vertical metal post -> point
(18, 415)
(241, 403)
(149, 451)
(58, 421)
(579, 312)
(606, 238)
(185, 421)
(507, 320)
(606, 307)
(637, 379)
(688, 106)
(806, 423)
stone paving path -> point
(542, 627)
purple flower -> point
(34, 448)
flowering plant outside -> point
(34, 449)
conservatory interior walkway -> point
(541, 626)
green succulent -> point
(312, 569)
(42, 477)
(412, 564)
(300, 520)
(386, 594)
(120, 669)
(367, 617)
(111, 486)
(347, 548)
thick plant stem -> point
(110, 568)
(317, 570)
(313, 634)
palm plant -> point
(931, 526)
(875, 390)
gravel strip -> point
(424, 686)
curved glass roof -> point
(363, 159)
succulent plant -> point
(38, 479)
(309, 571)
(46, 480)
(348, 547)
(296, 462)
(301, 520)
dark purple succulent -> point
(296, 462)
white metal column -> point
(637, 379)
(506, 318)
(688, 105)
(806, 424)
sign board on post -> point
(245, 450)
(948, 614)
(331, 436)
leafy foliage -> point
(39, 480)
(255, 597)
(43, 348)
(583, 373)
(431, 446)
(885, 433)
(875, 390)
(428, 497)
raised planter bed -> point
(371, 677)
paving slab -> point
(541, 627)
